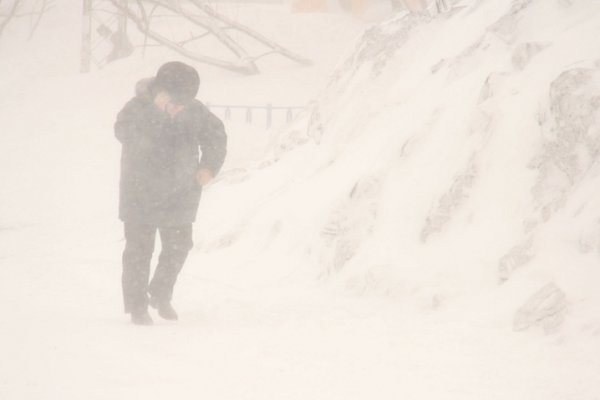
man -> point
(162, 176)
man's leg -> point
(176, 244)
(136, 266)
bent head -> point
(179, 80)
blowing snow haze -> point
(426, 227)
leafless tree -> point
(35, 10)
(212, 23)
(12, 12)
(40, 8)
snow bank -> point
(451, 161)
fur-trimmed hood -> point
(144, 89)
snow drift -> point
(452, 159)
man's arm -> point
(126, 121)
(213, 143)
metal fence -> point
(250, 114)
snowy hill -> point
(427, 229)
(447, 158)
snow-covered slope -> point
(450, 158)
(427, 229)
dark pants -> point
(176, 243)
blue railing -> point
(249, 112)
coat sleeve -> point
(137, 118)
(213, 142)
(127, 121)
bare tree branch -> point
(210, 26)
(10, 15)
(210, 20)
(46, 5)
(142, 26)
(282, 50)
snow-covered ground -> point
(427, 229)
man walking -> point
(162, 174)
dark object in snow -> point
(162, 176)
(545, 308)
(160, 158)
(139, 246)
(164, 308)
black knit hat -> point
(180, 80)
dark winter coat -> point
(160, 159)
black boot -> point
(141, 318)
(165, 309)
